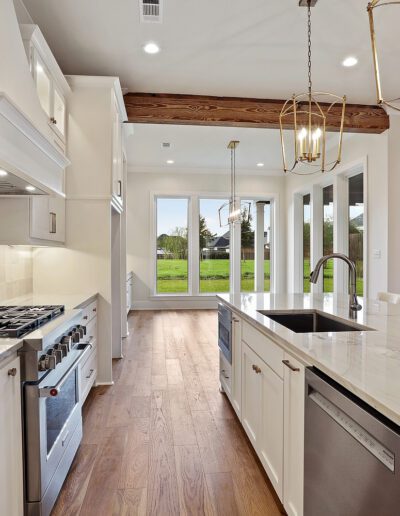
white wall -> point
(355, 148)
(15, 78)
(140, 187)
(15, 272)
(394, 204)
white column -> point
(340, 232)
(317, 226)
(298, 265)
(259, 247)
(234, 253)
(394, 205)
(194, 246)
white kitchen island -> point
(266, 380)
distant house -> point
(218, 247)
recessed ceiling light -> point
(170, 161)
(349, 61)
(30, 188)
(260, 164)
(151, 48)
(3, 173)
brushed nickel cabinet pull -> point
(12, 372)
(53, 222)
(236, 320)
(256, 369)
(290, 366)
(90, 374)
(119, 188)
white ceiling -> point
(223, 47)
(204, 149)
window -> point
(172, 245)
(356, 226)
(214, 248)
(327, 194)
(306, 241)
(267, 246)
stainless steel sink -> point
(311, 321)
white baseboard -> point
(180, 303)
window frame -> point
(340, 180)
(193, 241)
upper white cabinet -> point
(51, 85)
(32, 220)
(11, 475)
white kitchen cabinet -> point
(11, 474)
(129, 292)
(88, 369)
(117, 150)
(51, 85)
(251, 394)
(294, 382)
(47, 218)
(236, 364)
(32, 220)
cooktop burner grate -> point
(16, 321)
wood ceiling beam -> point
(161, 108)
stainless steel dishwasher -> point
(351, 454)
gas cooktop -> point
(16, 321)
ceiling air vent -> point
(151, 11)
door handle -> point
(290, 366)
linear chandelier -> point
(306, 115)
(379, 95)
(234, 207)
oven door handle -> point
(47, 392)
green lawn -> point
(214, 276)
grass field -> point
(214, 276)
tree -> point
(205, 233)
(176, 244)
(246, 231)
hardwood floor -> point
(163, 440)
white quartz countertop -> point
(365, 362)
(70, 301)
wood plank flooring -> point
(163, 440)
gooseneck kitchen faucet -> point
(354, 305)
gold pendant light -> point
(379, 95)
(306, 115)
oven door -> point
(53, 420)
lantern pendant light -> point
(393, 103)
(306, 116)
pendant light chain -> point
(309, 47)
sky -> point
(172, 213)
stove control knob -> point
(75, 335)
(50, 360)
(82, 330)
(64, 349)
(42, 363)
(67, 340)
(58, 355)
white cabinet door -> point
(117, 164)
(47, 218)
(270, 445)
(251, 393)
(294, 382)
(59, 111)
(236, 365)
(43, 83)
(11, 476)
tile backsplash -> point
(15, 272)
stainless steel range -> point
(54, 343)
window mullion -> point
(194, 247)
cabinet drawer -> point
(88, 374)
(225, 374)
(91, 332)
(271, 353)
(89, 312)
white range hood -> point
(28, 155)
